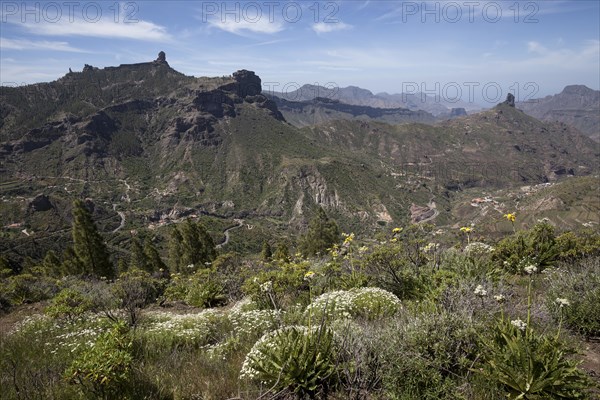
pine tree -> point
(88, 244)
(266, 252)
(322, 233)
(5, 267)
(122, 266)
(52, 265)
(175, 249)
(138, 258)
(71, 263)
(154, 262)
(282, 252)
(208, 252)
(191, 244)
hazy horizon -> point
(480, 50)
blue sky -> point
(532, 48)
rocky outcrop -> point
(458, 112)
(100, 125)
(215, 102)
(162, 58)
(41, 202)
(510, 100)
(246, 83)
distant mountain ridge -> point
(353, 95)
(576, 105)
(320, 109)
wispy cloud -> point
(322, 27)
(242, 26)
(536, 48)
(25, 44)
(141, 30)
(587, 54)
(16, 73)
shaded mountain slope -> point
(577, 106)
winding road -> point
(240, 223)
(122, 224)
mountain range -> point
(353, 95)
(321, 109)
(147, 146)
(576, 105)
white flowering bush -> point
(331, 305)
(169, 330)
(62, 337)
(296, 358)
(480, 291)
(253, 323)
(478, 249)
(371, 303)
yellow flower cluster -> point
(348, 238)
(511, 217)
(466, 229)
(396, 230)
(309, 275)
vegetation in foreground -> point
(345, 317)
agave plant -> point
(529, 365)
(295, 358)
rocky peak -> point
(578, 90)
(246, 84)
(162, 58)
(510, 100)
(249, 84)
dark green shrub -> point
(69, 304)
(105, 367)
(391, 270)
(26, 288)
(536, 247)
(202, 289)
(279, 287)
(580, 285)
(576, 246)
(135, 290)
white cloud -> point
(19, 74)
(141, 30)
(242, 26)
(536, 47)
(25, 44)
(322, 27)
